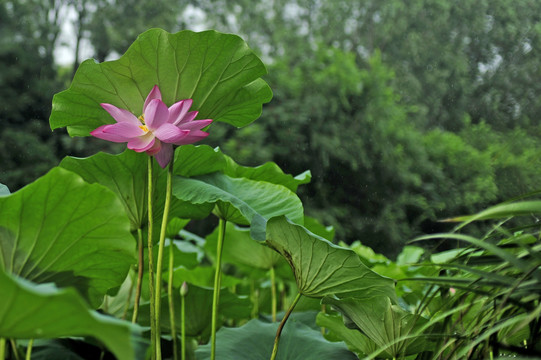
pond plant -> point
(95, 261)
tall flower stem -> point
(2, 348)
(29, 349)
(171, 302)
(281, 326)
(273, 293)
(159, 264)
(217, 286)
(140, 268)
(151, 262)
(183, 292)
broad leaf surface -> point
(218, 71)
(388, 326)
(61, 229)
(125, 174)
(240, 248)
(255, 339)
(322, 268)
(43, 311)
(240, 200)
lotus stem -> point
(171, 301)
(140, 268)
(281, 326)
(217, 286)
(183, 292)
(151, 263)
(273, 293)
(2, 348)
(159, 264)
(29, 349)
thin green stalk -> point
(217, 286)
(159, 264)
(281, 326)
(29, 349)
(140, 268)
(14, 348)
(273, 293)
(2, 348)
(151, 263)
(183, 323)
(171, 302)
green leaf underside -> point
(337, 331)
(218, 71)
(197, 160)
(60, 229)
(254, 341)
(125, 174)
(322, 268)
(30, 311)
(240, 248)
(240, 200)
(387, 325)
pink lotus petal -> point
(192, 137)
(195, 125)
(188, 117)
(156, 114)
(153, 94)
(169, 133)
(125, 129)
(178, 110)
(101, 133)
(142, 143)
(121, 115)
(165, 155)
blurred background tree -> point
(404, 112)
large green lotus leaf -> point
(30, 311)
(240, 248)
(199, 310)
(389, 326)
(240, 200)
(322, 268)
(125, 174)
(255, 339)
(218, 71)
(269, 172)
(200, 276)
(61, 229)
(193, 160)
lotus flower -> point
(157, 129)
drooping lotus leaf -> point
(391, 328)
(354, 339)
(30, 311)
(239, 248)
(255, 339)
(218, 71)
(322, 268)
(193, 160)
(240, 200)
(61, 229)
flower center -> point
(143, 127)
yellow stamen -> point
(142, 119)
(144, 128)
